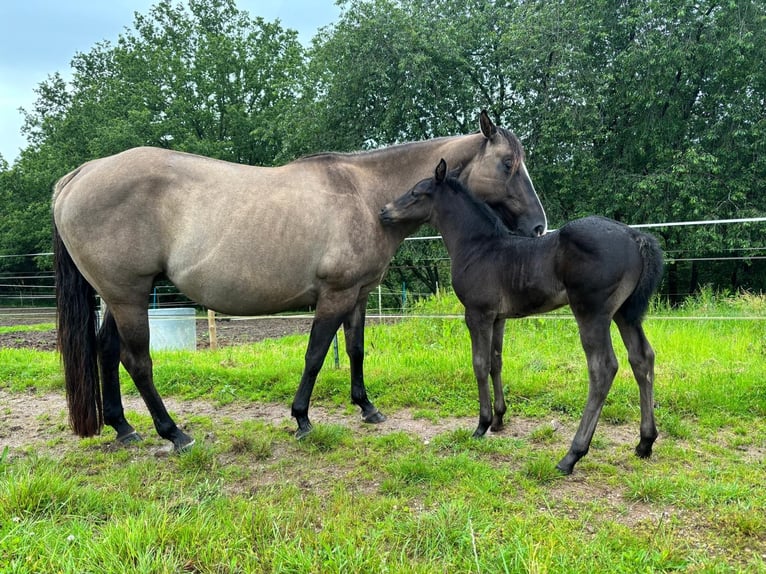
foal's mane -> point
(491, 221)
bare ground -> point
(33, 419)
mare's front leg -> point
(641, 357)
(480, 328)
(602, 367)
(133, 325)
(495, 371)
(109, 363)
(353, 329)
(327, 321)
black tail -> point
(76, 327)
(634, 308)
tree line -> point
(640, 110)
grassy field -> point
(353, 498)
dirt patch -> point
(31, 419)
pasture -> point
(416, 493)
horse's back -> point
(597, 249)
(222, 232)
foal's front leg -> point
(480, 328)
(495, 371)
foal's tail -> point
(635, 306)
(76, 328)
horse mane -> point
(513, 142)
(393, 148)
(494, 225)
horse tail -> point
(77, 343)
(635, 306)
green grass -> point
(22, 328)
(350, 498)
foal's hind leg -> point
(109, 362)
(602, 367)
(133, 325)
(495, 371)
(353, 328)
(641, 357)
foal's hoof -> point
(302, 432)
(375, 417)
(130, 438)
(566, 465)
(643, 451)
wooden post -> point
(211, 330)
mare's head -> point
(443, 201)
(498, 176)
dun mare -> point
(243, 240)
(604, 270)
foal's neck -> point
(464, 225)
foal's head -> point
(442, 200)
(416, 205)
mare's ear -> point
(487, 127)
(441, 171)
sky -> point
(40, 37)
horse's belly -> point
(247, 290)
(532, 302)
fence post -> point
(212, 330)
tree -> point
(643, 110)
(203, 78)
(207, 79)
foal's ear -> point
(441, 171)
(487, 127)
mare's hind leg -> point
(480, 327)
(109, 363)
(495, 371)
(353, 328)
(602, 367)
(133, 325)
(641, 357)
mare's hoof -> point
(183, 444)
(130, 438)
(375, 417)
